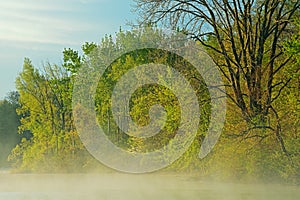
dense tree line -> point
(255, 45)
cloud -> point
(94, 1)
(35, 5)
(51, 22)
(40, 29)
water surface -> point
(134, 187)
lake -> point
(134, 187)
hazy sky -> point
(41, 29)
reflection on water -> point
(134, 187)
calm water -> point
(134, 187)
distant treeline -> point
(9, 122)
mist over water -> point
(115, 186)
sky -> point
(41, 29)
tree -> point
(131, 50)
(9, 122)
(72, 59)
(245, 39)
(293, 45)
(45, 110)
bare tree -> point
(246, 38)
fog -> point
(114, 186)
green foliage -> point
(293, 45)
(46, 109)
(147, 96)
(9, 122)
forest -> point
(254, 44)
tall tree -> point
(45, 107)
(245, 39)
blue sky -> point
(41, 29)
